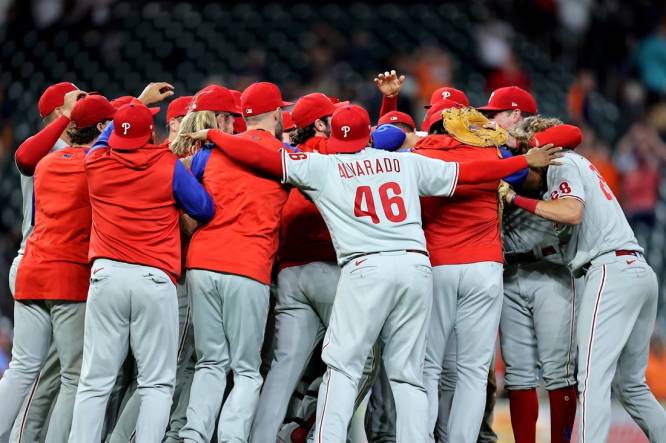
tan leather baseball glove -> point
(469, 126)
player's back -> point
(604, 227)
(370, 199)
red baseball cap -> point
(239, 121)
(178, 107)
(261, 97)
(310, 108)
(434, 114)
(91, 110)
(510, 97)
(350, 129)
(397, 117)
(53, 97)
(215, 98)
(127, 99)
(132, 126)
(287, 121)
(449, 93)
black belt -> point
(514, 258)
(416, 251)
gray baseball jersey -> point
(371, 203)
(604, 227)
(618, 307)
(524, 231)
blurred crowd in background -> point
(600, 64)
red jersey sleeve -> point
(567, 136)
(388, 104)
(31, 151)
(248, 153)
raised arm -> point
(248, 153)
(38, 146)
(389, 84)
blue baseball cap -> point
(388, 137)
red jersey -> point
(304, 236)
(465, 227)
(242, 238)
(314, 144)
(55, 264)
(135, 217)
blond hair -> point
(525, 131)
(193, 121)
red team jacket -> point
(135, 218)
(242, 238)
(55, 264)
(465, 227)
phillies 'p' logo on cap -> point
(446, 94)
(350, 129)
(132, 127)
(394, 118)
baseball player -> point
(537, 326)
(463, 239)
(176, 110)
(288, 127)
(136, 189)
(307, 278)
(406, 123)
(370, 204)
(229, 264)
(213, 102)
(52, 279)
(619, 301)
(124, 428)
(32, 420)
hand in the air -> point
(389, 83)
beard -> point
(279, 127)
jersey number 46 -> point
(393, 204)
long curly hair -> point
(192, 122)
(525, 131)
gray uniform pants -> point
(35, 323)
(537, 327)
(32, 421)
(468, 301)
(129, 306)
(616, 320)
(380, 415)
(229, 316)
(304, 303)
(124, 429)
(447, 387)
(387, 295)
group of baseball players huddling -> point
(143, 284)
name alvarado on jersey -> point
(368, 167)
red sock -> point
(562, 414)
(524, 408)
